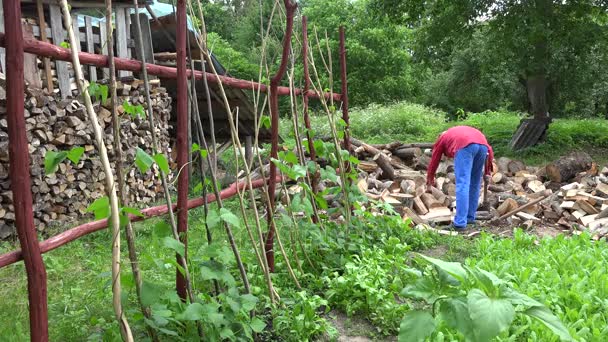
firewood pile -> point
(570, 193)
(54, 124)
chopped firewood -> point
(586, 207)
(367, 166)
(536, 186)
(597, 224)
(439, 214)
(497, 178)
(409, 213)
(602, 188)
(567, 205)
(571, 186)
(362, 185)
(508, 205)
(405, 199)
(419, 206)
(430, 201)
(585, 220)
(528, 217)
(578, 214)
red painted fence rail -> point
(91, 227)
(45, 49)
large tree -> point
(543, 39)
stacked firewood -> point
(53, 124)
(568, 193)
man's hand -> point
(429, 187)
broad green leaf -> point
(518, 298)
(75, 153)
(213, 270)
(213, 219)
(424, 288)
(161, 229)
(143, 160)
(193, 312)
(257, 325)
(151, 293)
(299, 171)
(100, 207)
(265, 121)
(416, 326)
(195, 147)
(52, 160)
(228, 217)
(227, 334)
(455, 312)
(132, 211)
(545, 316)
(455, 269)
(249, 301)
(64, 45)
(490, 316)
(291, 157)
(175, 245)
(162, 162)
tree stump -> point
(565, 168)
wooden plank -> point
(121, 38)
(103, 36)
(76, 31)
(43, 37)
(148, 56)
(90, 44)
(585, 220)
(128, 27)
(586, 207)
(31, 73)
(2, 51)
(58, 36)
(409, 213)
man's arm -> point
(435, 159)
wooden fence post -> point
(20, 174)
(121, 37)
(90, 44)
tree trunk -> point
(536, 88)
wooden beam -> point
(148, 56)
(58, 36)
(103, 37)
(43, 37)
(31, 73)
(121, 37)
(90, 44)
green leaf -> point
(132, 211)
(143, 160)
(100, 207)
(291, 157)
(132, 110)
(229, 217)
(213, 219)
(193, 312)
(75, 153)
(257, 325)
(150, 293)
(249, 301)
(52, 160)
(265, 121)
(424, 288)
(455, 269)
(195, 147)
(416, 326)
(65, 45)
(162, 162)
(455, 312)
(518, 298)
(490, 316)
(213, 270)
(545, 316)
(175, 245)
(161, 229)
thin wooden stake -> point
(110, 185)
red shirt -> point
(452, 140)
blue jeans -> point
(468, 167)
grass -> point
(409, 122)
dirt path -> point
(355, 329)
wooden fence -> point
(92, 36)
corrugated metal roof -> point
(529, 133)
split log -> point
(585, 207)
(508, 205)
(419, 206)
(408, 153)
(566, 168)
(430, 202)
(409, 213)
